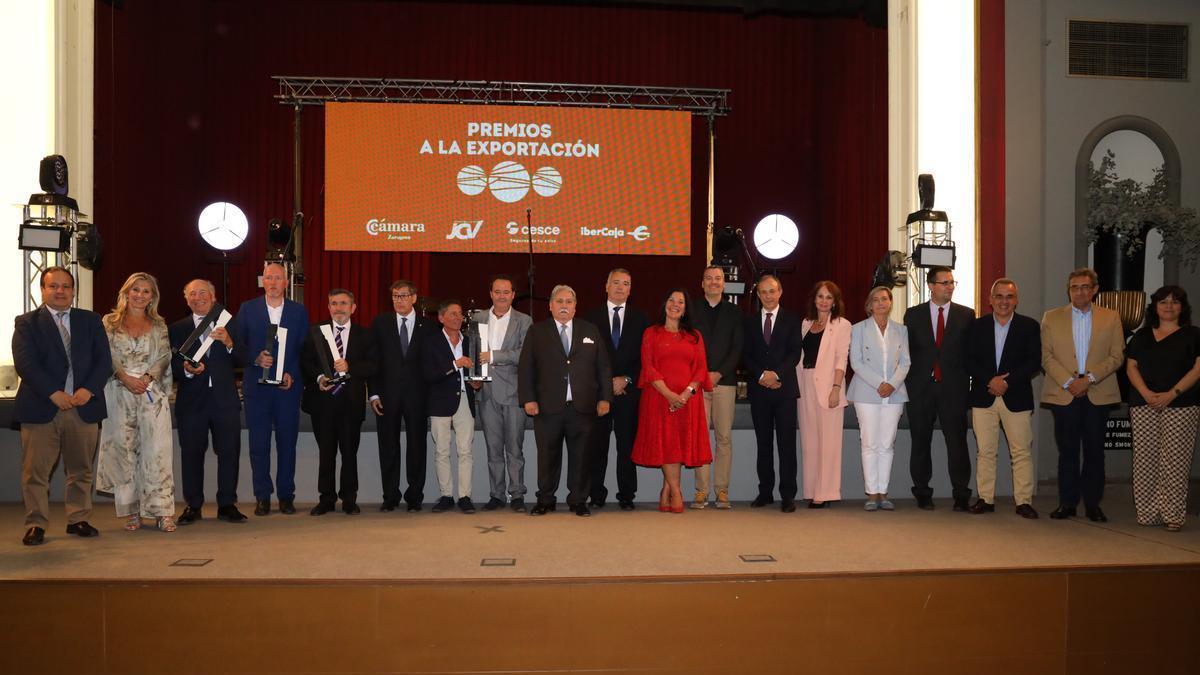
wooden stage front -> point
(829, 591)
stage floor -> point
(611, 544)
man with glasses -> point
(1082, 347)
(397, 394)
(937, 386)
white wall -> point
(1047, 117)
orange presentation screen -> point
(426, 177)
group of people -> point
(655, 385)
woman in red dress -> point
(672, 428)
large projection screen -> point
(460, 178)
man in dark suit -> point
(62, 356)
(771, 352)
(625, 325)
(337, 410)
(397, 394)
(564, 382)
(1004, 354)
(937, 386)
(207, 403)
(272, 407)
(451, 406)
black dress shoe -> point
(34, 536)
(582, 510)
(597, 503)
(925, 503)
(443, 504)
(82, 529)
(320, 509)
(541, 509)
(961, 506)
(1095, 515)
(627, 506)
(1063, 512)
(230, 514)
(815, 505)
(1026, 511)
(262, 507)
(287, 507)
(413, 507)
(466, 505)
(189, 516)
(761, 501)
(789, 506)
(388, 507)
(517, 505)
(351, 508)
(492, 504)
(981, 506)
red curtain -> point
(185, 116)
(991, 147)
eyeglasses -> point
(401, 296)
(947, 284)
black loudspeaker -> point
(925, 190)
(53, 175)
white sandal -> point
(133, 523)
(166, 523)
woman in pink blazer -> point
(825, 336)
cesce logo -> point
(639, 233)
(464, 229)
(509, 181)
(536, 230)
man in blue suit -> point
(272, 407)
(62, 356)
(207, 402)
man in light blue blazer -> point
(500, 411)
(272, 407)
(880, 360)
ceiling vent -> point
(1148, 51)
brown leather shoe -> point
(981, 506)
(1026, 511)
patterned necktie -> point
(767, 330)
(69, 385)
(403, 336)
(337, 340)
(616, 327)
(566, 341)
(941, 330)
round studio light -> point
(223, 226)
(776, 236)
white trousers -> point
(463, 426)
(877, 424)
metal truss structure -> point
(320, 90)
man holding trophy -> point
(338, 358)
(272, 328)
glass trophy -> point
(276, 346)
(477, 343)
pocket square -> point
(588, 341)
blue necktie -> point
(616, 327)
(403, 336)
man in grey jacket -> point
(500, 412)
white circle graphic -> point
(472, 180)
(547, 181)
(509, 182)
(223, 226)
(776, 236)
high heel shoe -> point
(676, 506)
(133, 523)
(166, 523)
(664, 501)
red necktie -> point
(941, 330)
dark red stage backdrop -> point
(185, 116)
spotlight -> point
(725, 245)
(223, 226)
(88, 246)
(929, 230)
(776, 236)
(279, 234)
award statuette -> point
(276, 346)
(195, 347)
(477, 342)
(326, 358)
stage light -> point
(43, 238)
(929, 230)
(725, 245)
(776, 236)
(52, 175)
(223, 226)
(88, 246)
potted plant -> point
(1120, 213)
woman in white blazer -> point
(825, 337)
(879, 357)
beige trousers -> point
(718, 408)
(73, 439)
(463, 426)
(1018, 429)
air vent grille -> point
(1154, 51)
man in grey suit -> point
(500, 412)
